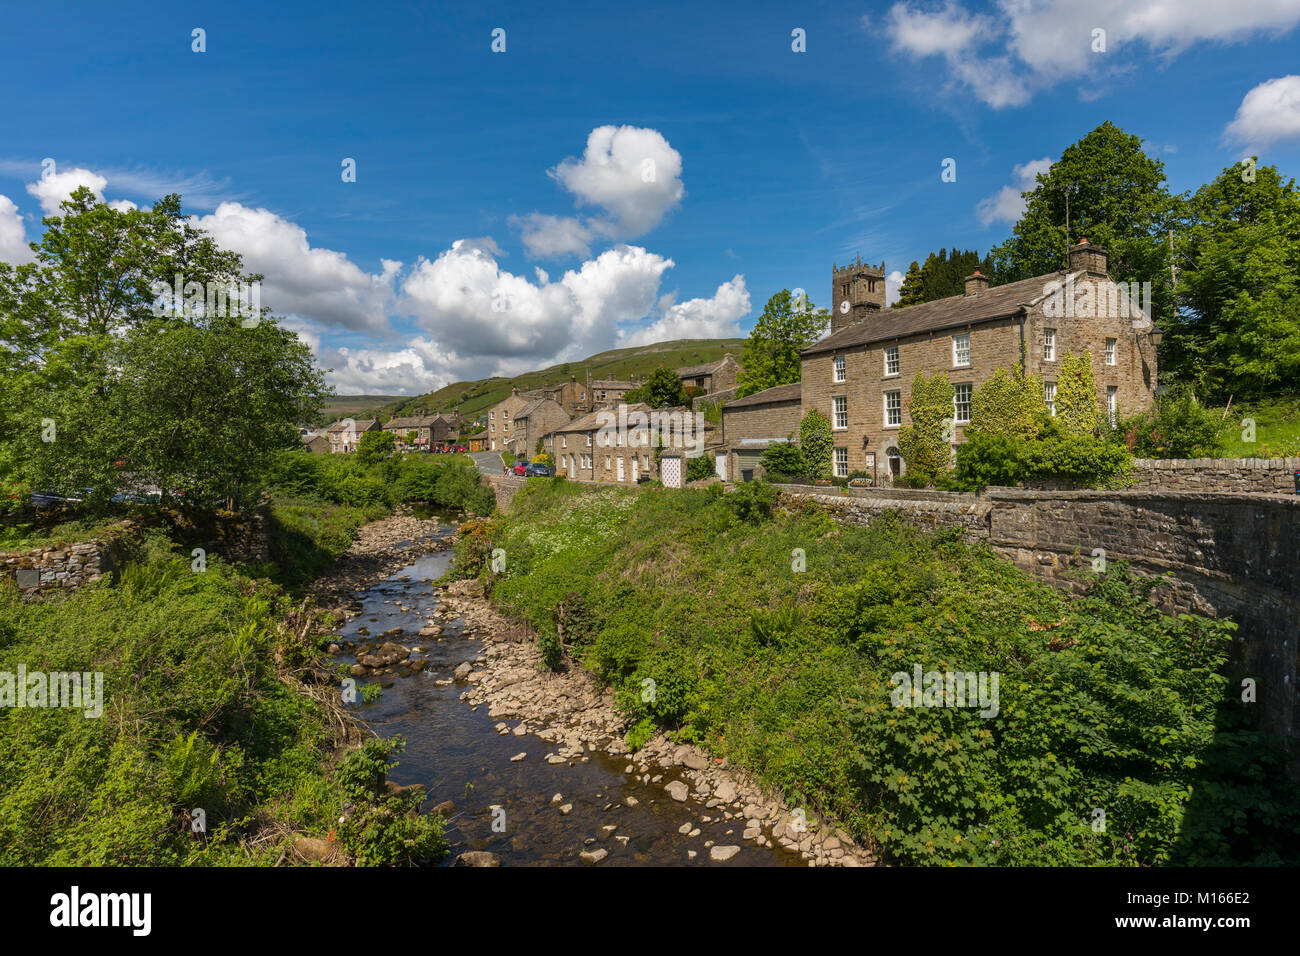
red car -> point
(519, 468)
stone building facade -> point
(535, 420)
(752, 423)
(500, 421)
(860, 376)
(712, 377)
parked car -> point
(538, 470)
(520, 468)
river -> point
(505, 806)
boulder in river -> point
(478, 858)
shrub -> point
(1076, 395)
(925, 443)
(752, 501)
(784, 460)
(1177, 427)
(699, 468)
(816, 442)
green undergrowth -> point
(201, 712)
(1117, 738)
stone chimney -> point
(976, 283)
(1085, 257)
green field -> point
(1277, 429)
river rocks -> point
(725, 791)
(445, 809)
(677, 790)
(593, 856)
(518, 757)
(478, 858)
(358, 670)
(566, 809)
(385, 655)
(463, 670)
(721, 854)
(432, 630)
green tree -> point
(1008, 403)
(92, 345)
(1076, 395)
(662, 389)
(817, 444)
(772, 352)
(925, 443)
(1238, 329)
(1117, 198)
(375, 446)
(911, 291)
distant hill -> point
(353, 406)
(470, 398)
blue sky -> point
(475, 169)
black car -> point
(535, 470)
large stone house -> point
(860, 376)
(428, 429)
(500, 420)
(535, 420)
(345, 434)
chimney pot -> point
(1086, 257)
(976, 283)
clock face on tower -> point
(844, 307)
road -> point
(488, 462)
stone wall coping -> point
(1130, 494)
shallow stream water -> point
(454, 749)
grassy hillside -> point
(470, 398)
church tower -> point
(857, 292)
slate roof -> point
(955, 311)
(769, 396)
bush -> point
(816, 443)
(784, 460)
(1177, 427)
(925, 443)
(1055, 454)
(752, 501)
(699, 468)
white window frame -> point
(956, 350)
(1049, 397)
(898, 410)
(891, 358)
(1112, 403)
(839, 371)
(564, 441)
(841, 462)
(839, 408)
(1112, 346)
(956, 406)
(1049, 345)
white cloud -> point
(53, 189)
(549, 237)
(1007, 205)
(631, 173)
(893, 282)
(950, 31)
(714, 318)
(1028, 47)
(314, 283)
(473, 307)
(1268, 113)
(13, 235)
(418, 367)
